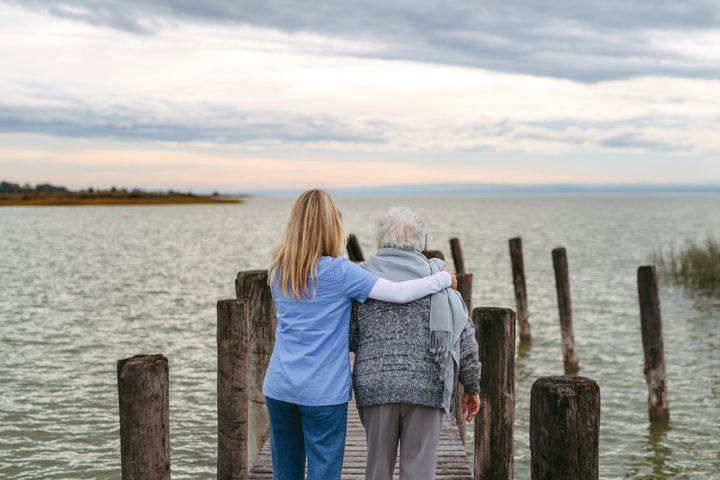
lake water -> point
(81, 288)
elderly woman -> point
(408, 357)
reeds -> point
(695, 264)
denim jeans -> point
(299, 432)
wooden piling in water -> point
(495, 334)
(564, 426)
(653, 347)
(232, 392)
(464, 286)
(354, 251)
(457, 256)
(252, 287)
(433, 254)
(562, 285)
(518, 274)
(144, 400)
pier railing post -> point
(464, 286)
(252, 287)
(518, 274)
(144, 400)
(355, 253)
(564, 427)
(232, 393)
(457, 255)
(562, 285)
(495, 333)
(652, 339)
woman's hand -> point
(470, 406)
(453, 285)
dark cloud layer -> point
(237, 127)
(590, 40)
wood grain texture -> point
(653, 347)
(144, 400)
(232, 392)
(564, 428)
(494, 425)
(452, 463)
(562, 286)
(252, 288)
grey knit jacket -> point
(393, 363)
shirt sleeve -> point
(355, 281)
(410, 290)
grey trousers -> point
(417, 428)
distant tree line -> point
(8, 187)
(48, 189)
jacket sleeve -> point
(469, 374)
(354, 328)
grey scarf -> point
(448, 312)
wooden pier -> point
(245, 338)
(452, 461)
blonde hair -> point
(313, 230)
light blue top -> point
(310, 364)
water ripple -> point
(81, 288)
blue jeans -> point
(315, 433)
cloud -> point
(587, 41)
(284, 85)
(632, 140)
(234, 127)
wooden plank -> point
(452, 462)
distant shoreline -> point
(47, 195)
(69, 200)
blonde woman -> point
(308, 382)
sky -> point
(278, 94)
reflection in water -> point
(522, 353)
(659, 451)
(655, 459)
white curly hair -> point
(400, 227)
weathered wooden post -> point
(495, 333)
(144, 417)
(518, 273)
(464, 286)
(564, 426)
(562, 285)
(652, 339)
(232, 394)
(353, 248)
(252, 287)
(457, 256)
(433, 254)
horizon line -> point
(497, 187)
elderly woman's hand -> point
(470, 406)
(453, 285)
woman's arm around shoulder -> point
(410, 290)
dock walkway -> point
(452, 461)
